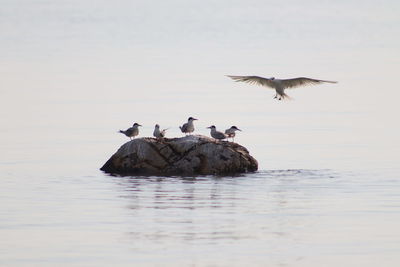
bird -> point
(132, 131)
(278, 84)
(157, 133)
(217, 135)
(231, 132)
(188, 127)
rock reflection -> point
(207, 210)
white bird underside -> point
(278, 84)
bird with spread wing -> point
(278, 84)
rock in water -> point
(189, 155)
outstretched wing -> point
(301, 81)
(253, 80)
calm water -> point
(73, 73)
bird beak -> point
(139, 125)
(208, 128)
(195, 119)
(239, 129)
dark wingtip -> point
(330, 81)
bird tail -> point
(286, 97)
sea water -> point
(73, 73)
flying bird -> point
(278, 84)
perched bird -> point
(231, 132)
(188, 127)
(131, 132)
(278, 84)
(157, 133)
(217, 135)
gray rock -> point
(189, 155)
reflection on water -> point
(283, 217)
(288, 216)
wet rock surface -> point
(189, 155)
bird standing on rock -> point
(231, 132)
(217, 135)
(278, 84)
(188, 127)
(157, 133)
(131, 132)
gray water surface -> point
(75, 72)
